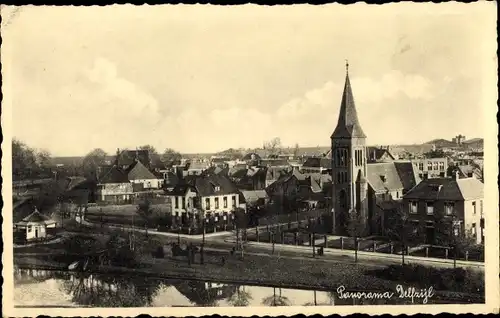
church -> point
(371, 188)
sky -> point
(206, 78)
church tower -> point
(348, 142)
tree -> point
(449, 232)
(28, 162)
(355, 228)
(241, 298)
(170, 156)
(151, 149)
(145, 210)
(93, 160)
(43, 158)
(401, 228)
(273, 146)
(276, 300)
(240, 225)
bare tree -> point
(273, 146)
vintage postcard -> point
(290, 159)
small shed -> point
(35, 226)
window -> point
(474, 233)
(216, 203)
(207, 203)
(430, 208)
(481, 207)
(225, 202)
(234, 201)
(217, 188)
(30, 228)
(413, 207)
(449, 208)
(435, 166)
(341, 157)
(397, 194)
(441, 166)
(429, 166)
(358, 157)
(183, 202)
(176, 202)
(421, 166)
(474, 207)
(456, 231)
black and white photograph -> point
(321, 159)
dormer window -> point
(217, 188)
(382, 177)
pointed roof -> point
(137, 171)
(348, 124)
(114, 175)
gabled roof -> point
(207, 185)
(274, 162)
(377, 154)
(137, 171)
(249, 156)
(196, 165)
(254, 195)
(408, 174)
(114, 175)
(348, 124)
(37, 217)
(383, 177)
(447, 189)
(317, 162)
(274, 173)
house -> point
(466, 171)
(141, 178)
(219, 161)
(461, 198)
(255, 198)
(274, 162)
(431, 167)
(207, 196)
(317, 165)
(273, 174)
(114, 187)
(34, 227)
(195, 168)
(249, 178)
(379, 154)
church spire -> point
(348, 124)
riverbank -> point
(260, 271)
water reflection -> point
(52, 288)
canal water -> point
(38, 288)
